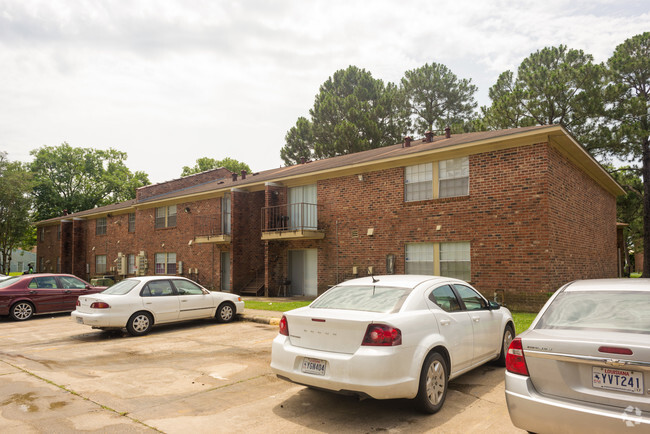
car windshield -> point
(364, 298)
(605, 311)
(121, 288)
(6, 282)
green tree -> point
(437, 97)
(76, 179)
(352, 112)
(628, 96)
(207, 163)
(15, 208)
(554, 85)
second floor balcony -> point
(291, 221)
(210, 229)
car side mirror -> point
(493, 305)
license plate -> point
(618, 379)
(313, 366)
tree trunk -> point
(646, 206)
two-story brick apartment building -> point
(516, 212)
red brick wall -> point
(247, 248)
(48, 248)
(516, 218)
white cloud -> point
(171, 81)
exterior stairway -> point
(254, 287)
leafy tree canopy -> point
(437, 97)
(15, 208)
(207, 163)
(352, 112)
(77, 179)
(553, 85)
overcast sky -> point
(171, 81)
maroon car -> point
(22, 297)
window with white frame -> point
(100, 264)
(132, 222)
(166, 216)
(131, 264)
(165, 263)
(453, 177)
(418, 182)
(455, 260)
(419, 258)
(100, 226)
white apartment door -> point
(302, 212)
(303, 272)
(225, 271)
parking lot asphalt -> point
(59, 377)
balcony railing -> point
(208, 229)
(296, 220)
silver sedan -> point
(584, 364)
(140, 302)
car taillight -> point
(616, 350)
(382, 335)
(99, 305)
(78, 302)
(515, 359)
(284, 327)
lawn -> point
(522, 319)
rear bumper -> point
(538, 413)
(99, 320)
(380, 373)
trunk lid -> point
(334, 330)
(588, 366)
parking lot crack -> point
(72, 392)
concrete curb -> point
(261, 319)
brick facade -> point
(533, 218)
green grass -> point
(522, 319)
(278, 307)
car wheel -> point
(21, 311)
(433, 383)
(225, 312)
(139, 324)
(508, 336)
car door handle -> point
(67, 291)
(445, 322)
(183, 301)
(476, 318)
(32, 292)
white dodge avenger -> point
(389, 337)
(140, 302)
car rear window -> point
(364, 298)
(603, 310)
(121, 288)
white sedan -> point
(140, 302)
(391, 337)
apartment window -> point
(165, 263)
(455, 260)
(58, 232)
(225, 214)
(166, 217)
(58, 264)
(303, 208)
(43, 234)
(418, 182)
(132, 222)
(100, 226)
(131, 264)
(100, 264)
(453, 177)
(419, 258)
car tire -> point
(226, 312)
(22, 311)
(508, 336)
(434, 378)
(139, 324)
